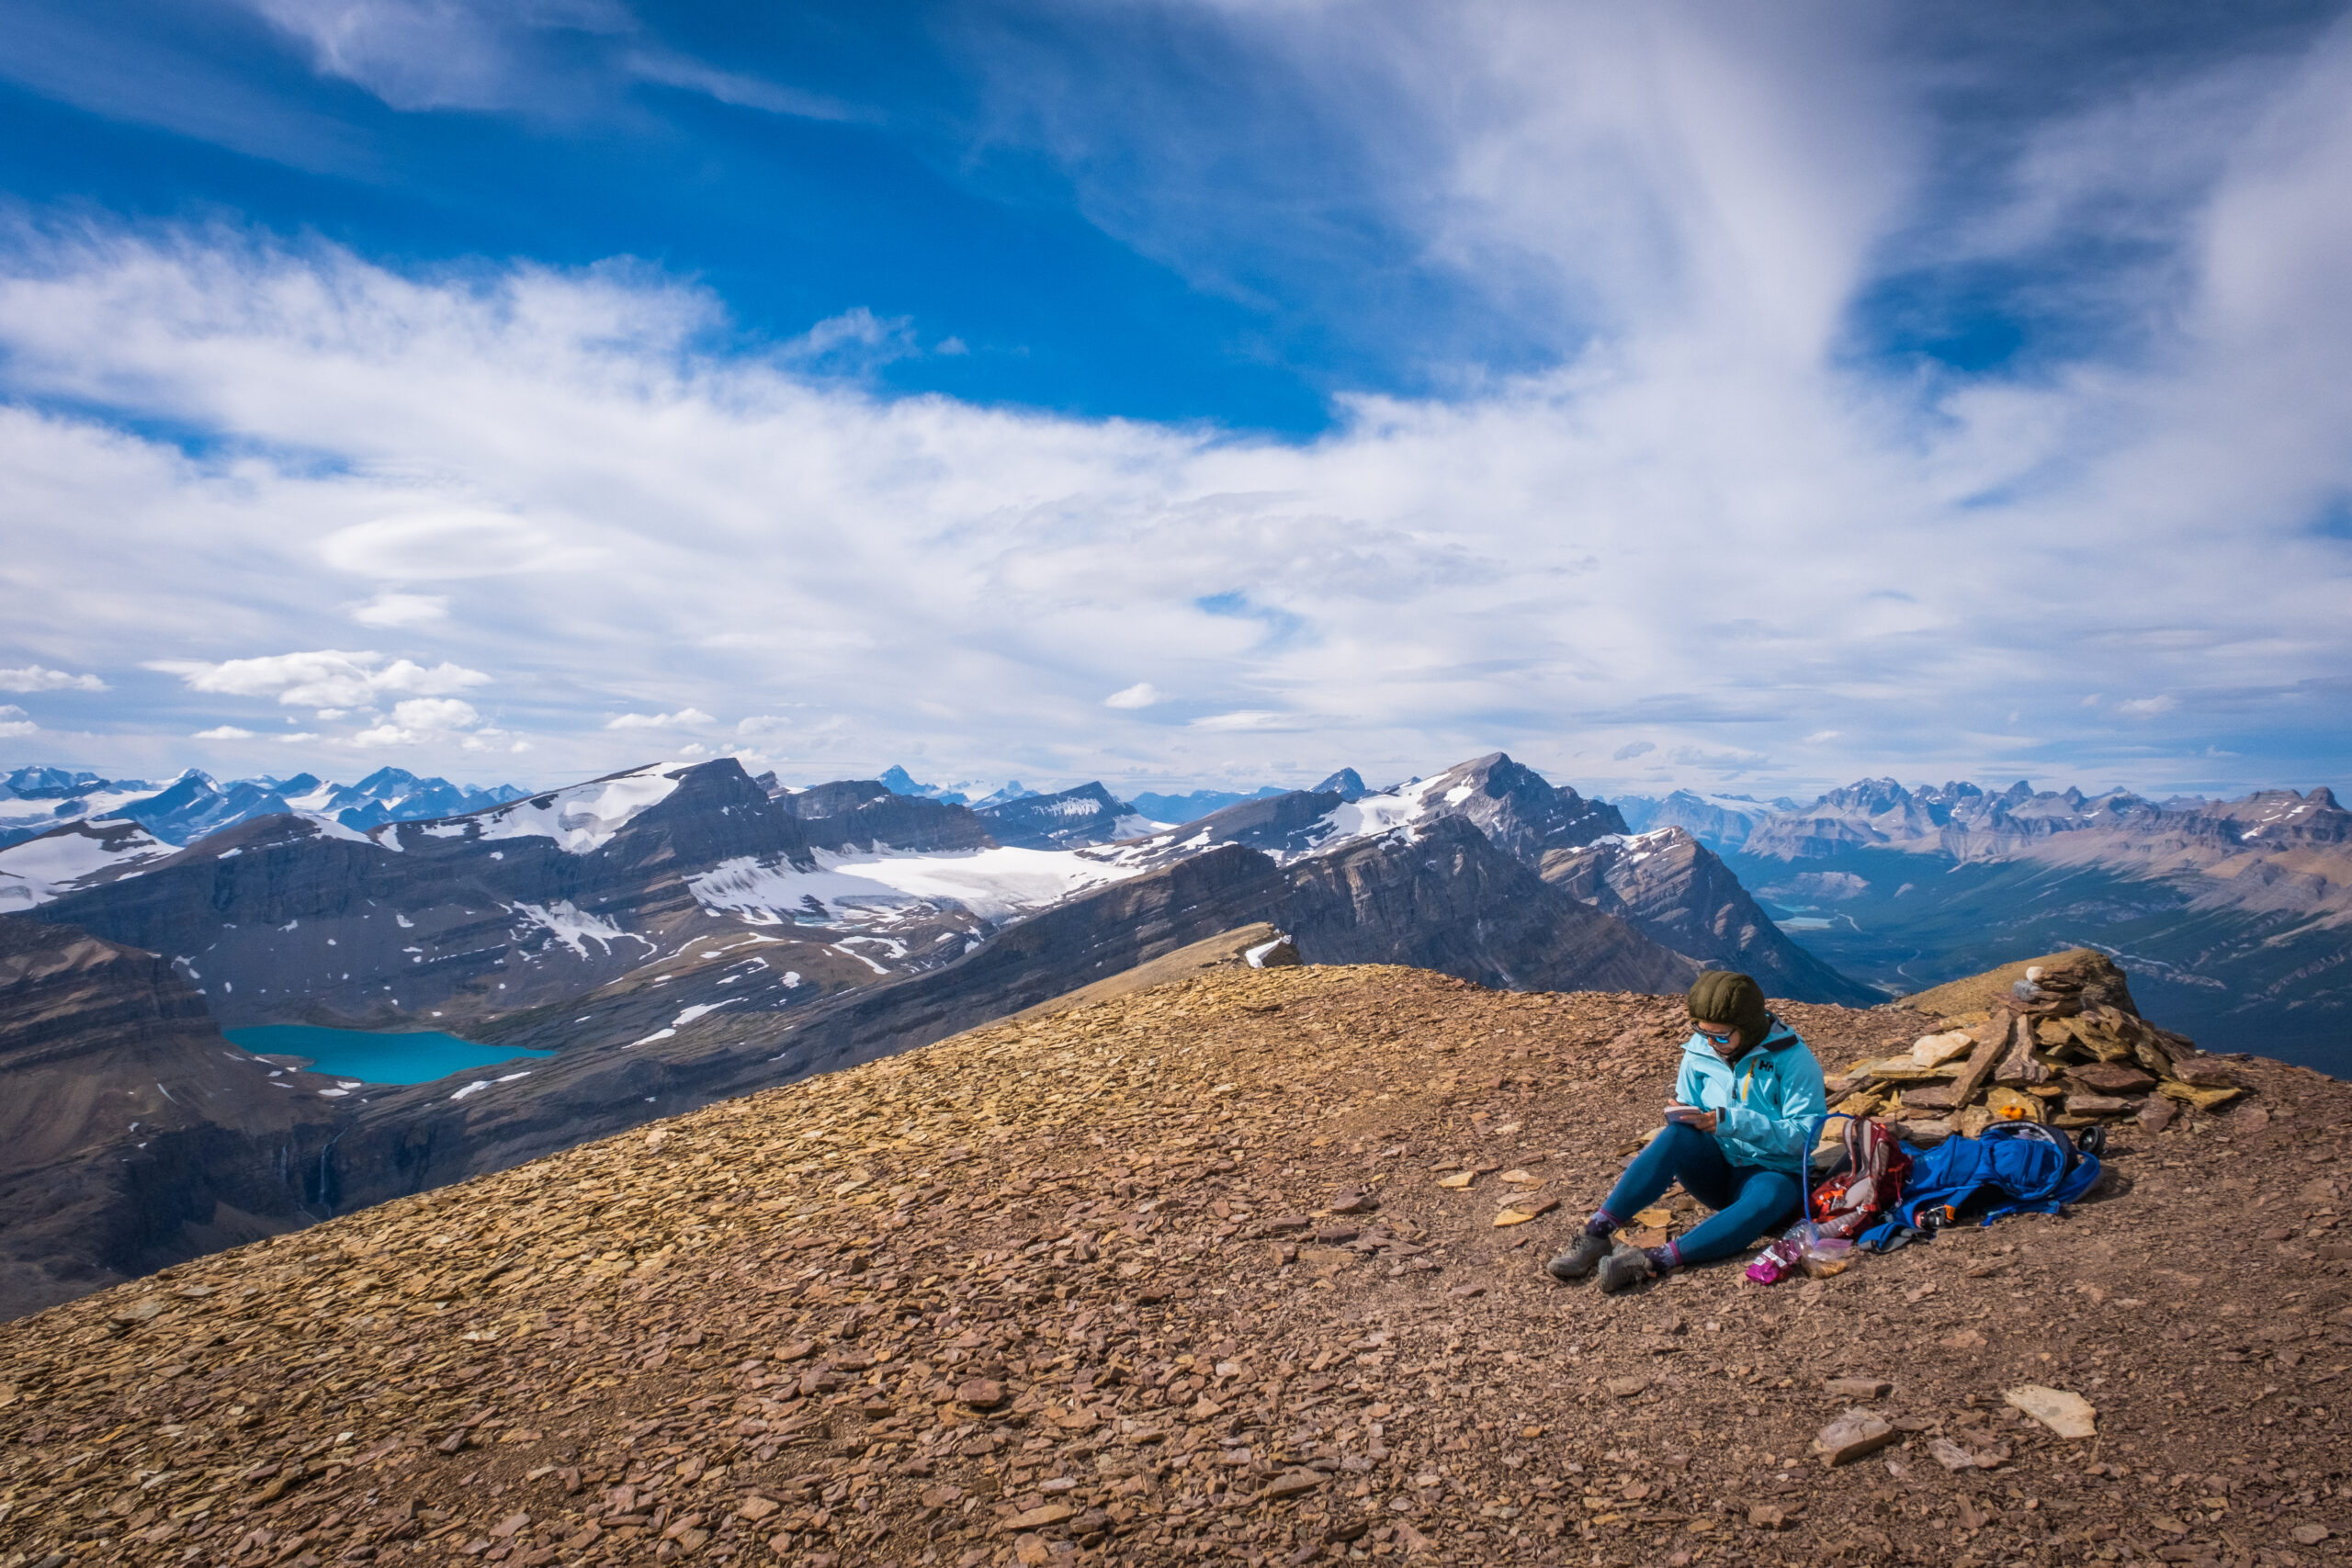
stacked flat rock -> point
(2055, 1040)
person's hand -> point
(1691, 1116)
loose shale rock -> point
(1044, 1293)
(1857, 1434)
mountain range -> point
(676, 934)
(2234, 915)
(35, 799)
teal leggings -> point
(1748, 1200)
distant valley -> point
(2235, 917)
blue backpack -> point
(2023, 1167)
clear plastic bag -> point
(1829, 1255)
(1803, 1246)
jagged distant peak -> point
(194, 803)
(1966, 821)
(898, 781)
(1346, 783)
(1013, 790)
(1511, 805)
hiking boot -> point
(1580, 1259)
(1623, 1269)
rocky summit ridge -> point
(1239, 1267)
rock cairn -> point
(2056, 1040)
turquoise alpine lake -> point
(371, 1057)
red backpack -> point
(1866, 1186)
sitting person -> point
(1738, 1138)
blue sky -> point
(1179, 393)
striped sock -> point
(1602, 1223)
(1664, 1257)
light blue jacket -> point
(1767, 1103)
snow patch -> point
(858, 889)
(38, 870)
(575, 930)
(582, 818)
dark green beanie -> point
(1724, 996)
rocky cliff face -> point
(867, 815)
(1513, 805)
(1284, 826)
(131, 1134)
(1448, 899)
(1673, 889)
(286, 919)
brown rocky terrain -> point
(1193, 1274)
(131, 1134)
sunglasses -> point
(1719, 1038)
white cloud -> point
(1689, 207)
(222, 732)
(15, 722)
(2147, 707)
(1633, 749)
(33, 678)
(421, 720)
(760, 724)
(682, 719)
(390, 609)
(435, 713)
(326, 678)
(1142, 694)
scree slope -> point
(1172, 1277)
